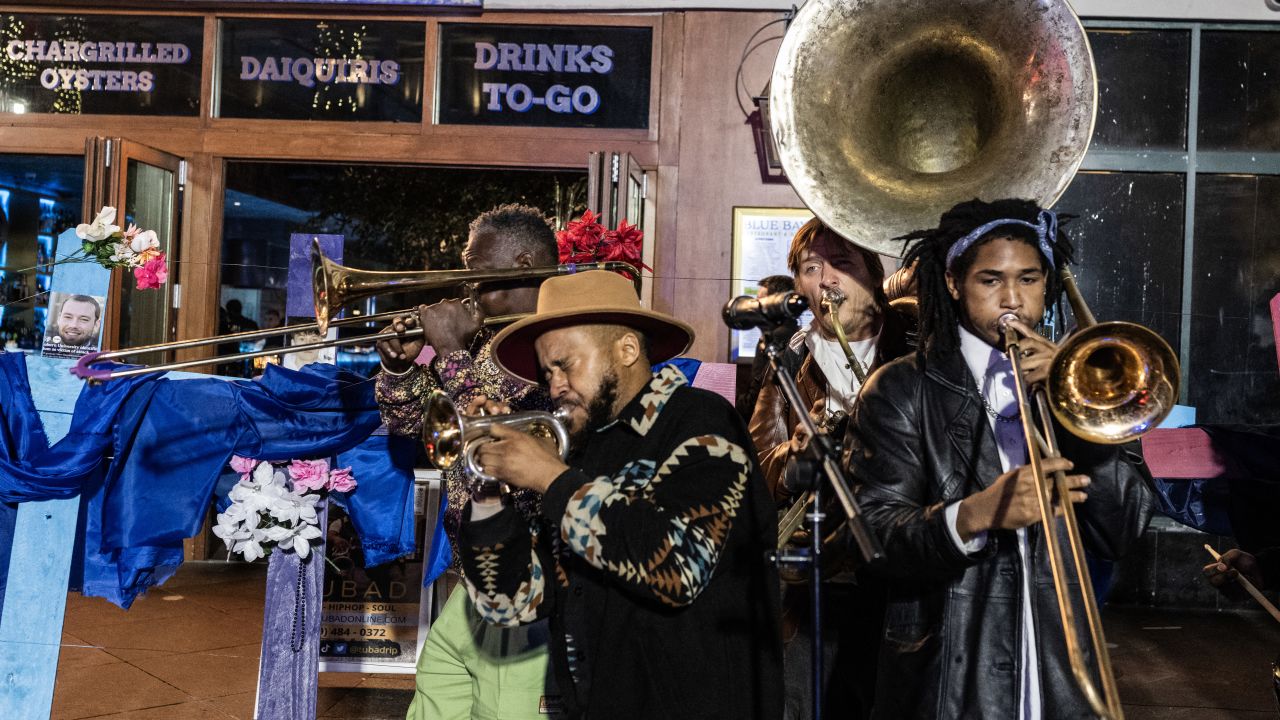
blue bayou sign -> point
(545, 75)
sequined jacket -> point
(463, 376)
(650, 562)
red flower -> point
(585, 240)
(153, 274)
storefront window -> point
(40, 197)
(321, 70)
(390, 218)
(1128, 246)
(100, 64)
(1240, 91)
(1237, 272)
(1142, 89)
(1133, 239)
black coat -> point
(654, 558)
(920, 441)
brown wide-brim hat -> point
(586, 298)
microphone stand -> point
(819, 454)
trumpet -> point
(333, 287)
(1108, 383)
(451, 437)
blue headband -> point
(1046, 229)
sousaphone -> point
(888, 112)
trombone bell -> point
(1112, 382)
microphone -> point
(745, 312)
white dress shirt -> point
(842, 384)
(994, 376)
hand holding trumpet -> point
(515, 457)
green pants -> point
(471, 670)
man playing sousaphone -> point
(827, 267)
(651, 553)
(940, 462)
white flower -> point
(296, 538)
(265, 512)
(102, 226)
(145, 240)
(120, 252)
(251, 549)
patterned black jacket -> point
(651, 561)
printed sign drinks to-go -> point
(100, 64)
(321, 70)
(545, 75)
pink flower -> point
(309, 474)
(340, 480)
(152, 274)
(243, 465)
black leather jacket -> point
(920, 440)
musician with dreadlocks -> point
(938, 456)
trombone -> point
(1108, 383)
(333, 287)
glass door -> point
(145, 186)
(617, 190)
(40, 197)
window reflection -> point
(1142, 88)
(391, 217)
(40, 197)
(1240, 91)
(1234, 373)
(1128, 243)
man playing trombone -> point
(940, 462)
(651, 554)
(468, 669)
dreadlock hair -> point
(939, 313)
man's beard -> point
(75, 340)
(599, 410)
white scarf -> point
(842, 384)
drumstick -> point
(1254, 591)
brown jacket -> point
(774, 419)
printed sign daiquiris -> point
(321, 69)
(545, 75)
(100, 64)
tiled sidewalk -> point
(189, 651)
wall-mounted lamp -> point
(766, 150)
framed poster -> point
(761, 239)
(375, 620)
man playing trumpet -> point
(940, 462)
(650, 556)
